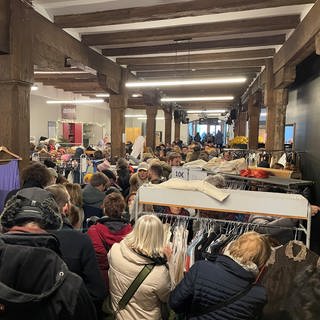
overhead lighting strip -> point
(185, 99)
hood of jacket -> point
(23, 279)
(233, 267)
(115, 225)
(92, 196)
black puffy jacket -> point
(211, 282)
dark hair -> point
(99, 179)
(114, 205)
(173, 155)
(157, 169)
(74, 215)
(98, 155)
(36, 173)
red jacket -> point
(103, 235)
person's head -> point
(61, 179)
(75, 193)
(216, 180)
(36, 174)
(110, 174)
(155, 171)
(98, 155)
(174, 159)
(184, 149)
(114, 205)
(130, 199)
(76, 217)
(227, 156)
(251, 247)
(54, 176)
(61, 196)
(31, 206)
(99, 181)
(143, 170)
(147, 236)
(87, 178)
(122, 163)
(175, 210)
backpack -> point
(35, 283)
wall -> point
(304, 110)
(41, 113)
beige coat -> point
(125, 264)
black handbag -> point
(108, 312)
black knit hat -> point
(32, 204)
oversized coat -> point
(124, 265)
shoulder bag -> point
(109, 313)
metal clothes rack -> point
(290, 206)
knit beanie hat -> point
(32, 204)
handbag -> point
(108, 312)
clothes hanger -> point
(5, 149)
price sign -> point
(180, 172)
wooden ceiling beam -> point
(76, 87)
(302, 41)
(166, 11)
(222, 28)
(51, 46)
(199, 73)
(204, 57)
(199, 66)
(71, 77)
(190, 46)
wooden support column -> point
(177, 129)
(242, 123)
(281, 101)
(118, 105)
(318, 43)
(167, 124)
(16, 78)
(151, 126)
(269, 103)
(254, 114)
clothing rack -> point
(290, 206)
(231, 222)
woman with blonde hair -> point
(225, 286)
(143, 246)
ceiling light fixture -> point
(59, 72)
(144, 118)
(136, 95)
(182, 82)
(206, 111)
(89, 101)
(185, 99)
(103, 95)
(34, 88)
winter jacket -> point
(78, 253)
(36, 284)
(125, 264)
(103, 235)
(211, 282)
(123, 180)
(92, 196)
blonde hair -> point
(147, 236)
(60, 194)
(251, 247)
(75, 193)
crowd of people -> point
(75, 251)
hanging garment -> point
(286, 263)
(9, 180)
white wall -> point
(41, 112)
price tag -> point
(180, 172)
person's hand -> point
(314, 210)
(167, 250)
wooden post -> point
(254, 114)
(167, 124)
(151, 126)
(269, 102)
(118, 105)
(318, 43)
(281, 101)
(177, 129)
(242, 123)
(16, 78)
